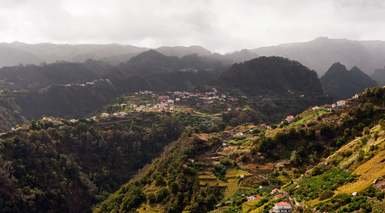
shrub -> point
(162, 195)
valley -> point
(161, 133)
(208, 106)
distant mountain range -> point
(20, 53)
(320, 53)
(17, 53)
(317, 54)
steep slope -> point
(319, 53)
(359, 171)
(237, 169)
(272, 76)
(328, 159)
(82, 160)
(9, 113)
(339, 83)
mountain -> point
(379, 76)
(11, 56)
(316, 54)
(69, 89)
(272, 76)
(155, 71)
(181, 51)
(238, 56)
(21, 53)
(40, 76)
(319, 53)
(70, 100)
(340, 83)
(327, 159)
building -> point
(282, 207)
(239, 135)
(104, 115)
(315, 108)
(275, 191)
(254, 197)
(341, 103)
(290, 118)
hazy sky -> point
(220, 25)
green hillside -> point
(58, 165)
(304, 162)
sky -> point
(219, 25)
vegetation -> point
(179, 188)
(321, 185)
(82, 161)
(327, 158)
(340, 83)
(274, 76)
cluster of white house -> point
(89, 83)
(168, 102)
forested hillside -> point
(272, 76)
(57, 165)
(220, 171)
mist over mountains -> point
(320, 53)
(317, 54)
(17, 53)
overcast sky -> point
(220, 25)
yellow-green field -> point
(367, 172)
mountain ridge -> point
(339, 82)
(320, 52)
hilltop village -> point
(150, 101)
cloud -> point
(222, 25)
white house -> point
(341, 103)
(290, 118)
(254, 197)
(282, 207)
(315, 108)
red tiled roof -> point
(283, 203)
